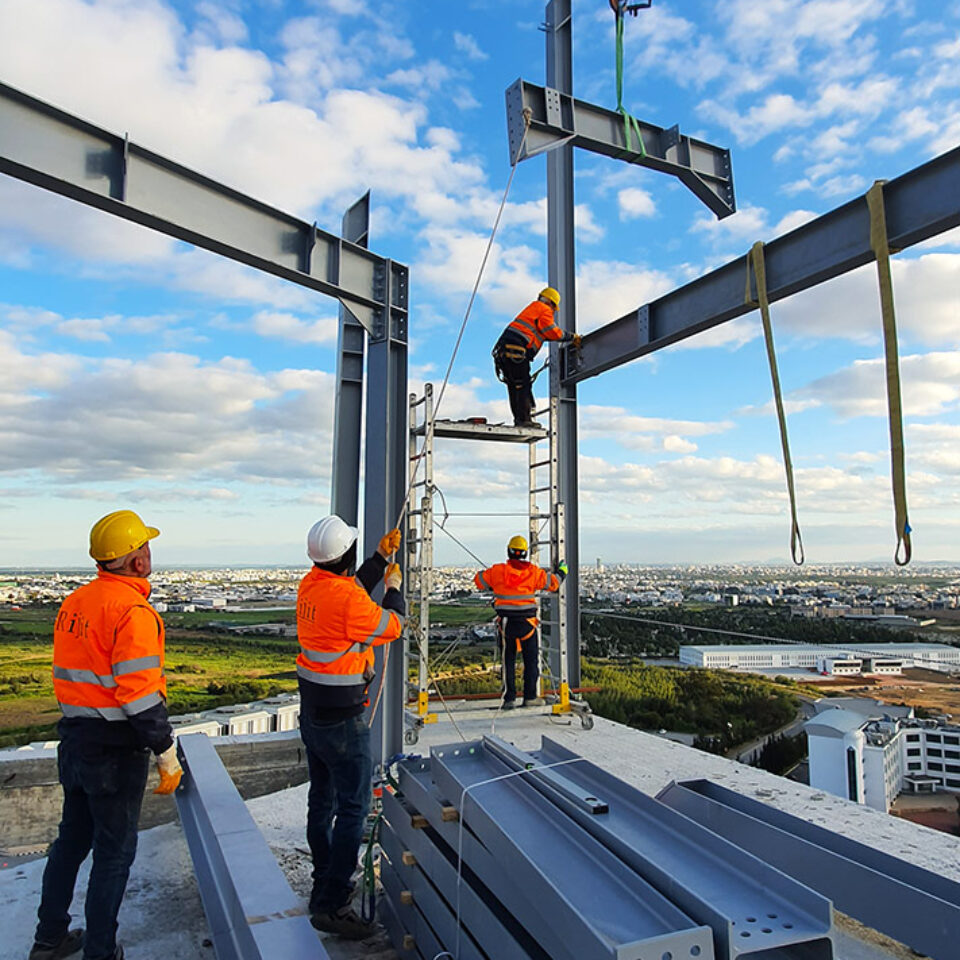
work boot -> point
(509, 704)
(535, 702)
(344, 923)
(72, 941)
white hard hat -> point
(330, 538)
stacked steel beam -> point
(491, 853)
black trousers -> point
(516, 375)
(512, 628)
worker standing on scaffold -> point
(515, 585)
(519, 344)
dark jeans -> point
(341, 775)
(102, 793)
(516, 374)
(510, 629)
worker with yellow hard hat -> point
(517, 347)
(108, 651)
(515, 585)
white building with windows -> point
(785, 656)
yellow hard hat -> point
(118, 534)
(518, 543)
(552, 295)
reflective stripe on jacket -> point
(536, 323)
(515, 585)
(108, 649)
(338, 625)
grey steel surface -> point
(409, 919)
(560, 119)
(600, 901)
(752, 907)
(348, 410)
(251, 910)
(385, 479)
(906, 902)
(919, 204)
(482, 915)
(418, 789)
(563, 608)
(460, 430)
(387, 915)
(62, 153)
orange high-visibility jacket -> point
(535, 323)
(338, 625)
(108, 650)
(515, 585)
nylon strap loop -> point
(881, 250)
(755, 260)
(631, 125)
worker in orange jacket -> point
(515, 585)
(338, 625)
(108, 650)
(518, 345)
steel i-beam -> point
(910, 904)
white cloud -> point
(635, 203)
(286, 326)
(468, 46)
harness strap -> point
(881, 249)
(755, 260)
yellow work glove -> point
(392, 578)
(577, 340)
(168, 766)
(389, 544)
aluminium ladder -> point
(545, 528)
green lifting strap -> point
(630, 123)
(881, 250)
(756, 263)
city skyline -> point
(136, 371)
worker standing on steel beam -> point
(517, 347)
(515, 585)
(108, 649)
(338, 625)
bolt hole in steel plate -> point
(695, 951)
(744, 933)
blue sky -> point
(137, 371)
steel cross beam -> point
(919, 204)
(559, 119)
(50, 148)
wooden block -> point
(449, 814)
(419, 822)
(406, 897)
(409, 860)
(408, 942)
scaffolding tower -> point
(545, 524)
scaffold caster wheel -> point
(410, 737)
(586, 721)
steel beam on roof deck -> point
(487, 920)
(419, 790)
(409, 920)
(251, 910)
(919, 205)
(52, 149)
(906, 902)
(606, 910)
(348, 411)
(752, 908)
(560, 120)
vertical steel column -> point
(385, 476)
(348, 409)
(562, 272)
(426, 553)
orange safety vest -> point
(535, 323)
(515, 585)
(338, 625)
(108, 650)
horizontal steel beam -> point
(52, 149)
(558, 119)
(919, 204)
(597, 898)
(251, 910)
(752, 908)
(906, 902)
